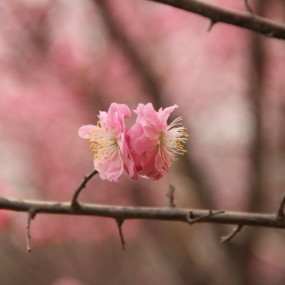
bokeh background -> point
(61, 61)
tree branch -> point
(247, 6)
(244, 20)
(170, 196)
(191, 220)
(232, 234)
(122, 239)
(280, 212)
(81, 186)
(31, 214)
(148, 213)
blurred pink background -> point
(63, 61)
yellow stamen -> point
(171, 142)
(103, 143)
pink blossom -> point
(154, 143)
(108, 143)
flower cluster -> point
(146, 149)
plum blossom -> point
(108, 142)
(146, 149)
(153, 143)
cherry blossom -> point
(107, 141)
(155, 144)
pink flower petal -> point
(110, 169)
(153, 143)
(111, 152)
(165, 113)
(86, 130)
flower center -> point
(103, 143)
(172, 141)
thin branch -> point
(247, 6)
(119, 224)
(28, 232)
(191, 219)
(149, 213)
(216, 14)
(30, 216)
(280, 212)
(232, 234)
(212, 23)
(170, 196)
(81, 186)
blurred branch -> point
(216, 14)
(127, 46)
(256, 94)
(247, 6)
(122, 213)
(170, 196)
(280, 212)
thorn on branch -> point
(31, 214)
(190, 218)
(232, 234)
(280, 212)
(119, 224)
(170, 196)
(74, 203)
(212, 23)
(247, 6)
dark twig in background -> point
(134, 56)
(170, 196)
(216, 14)
(280, 211)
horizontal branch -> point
(151, 213)
(244, 20)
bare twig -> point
(191, 219)
(216, 14)
(232, 234)
(28, 232)
(123, 242)
(212, 23)
(280, 212)
(81, 186)
(247, 6)
(149, 213)
(30, 216)
(170, 196)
